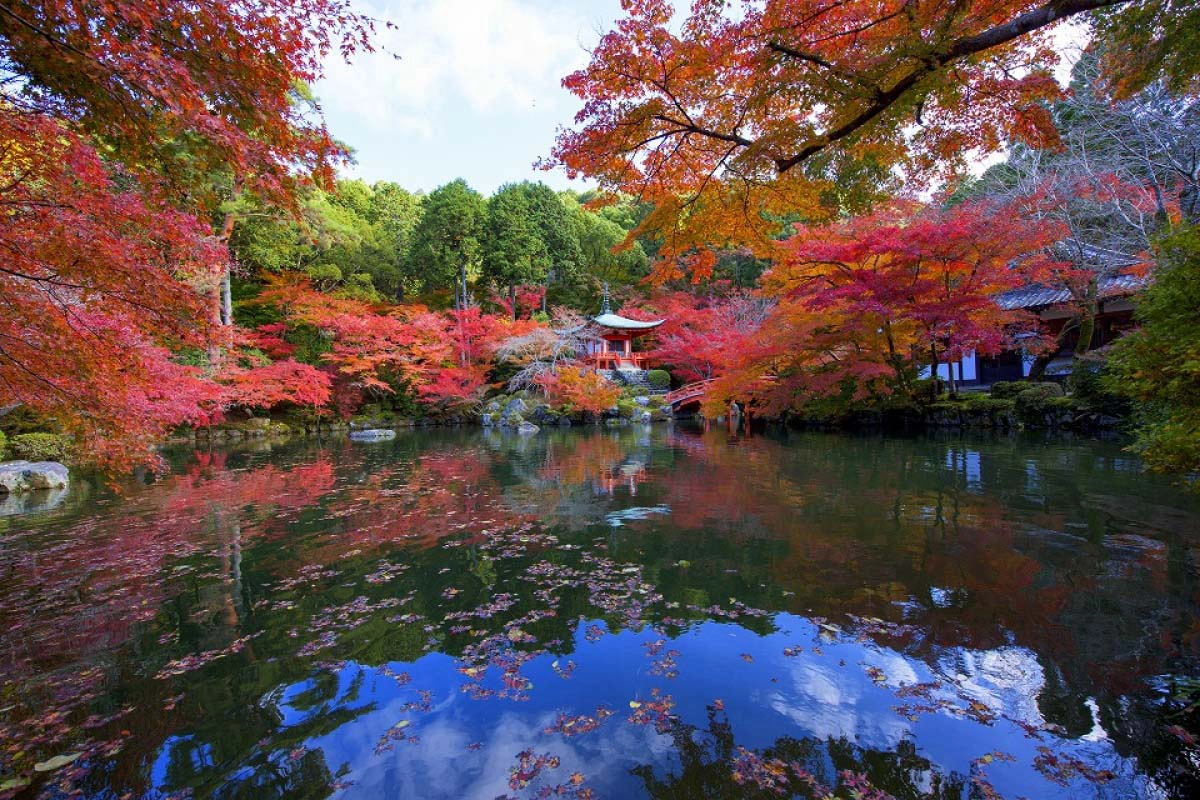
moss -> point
(42, 447)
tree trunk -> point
(1189, 202)
(933, 371)
(512, 297)
(462, 280)
(1087, 319)
(226, 298)
(1087, 330)
(223, 302)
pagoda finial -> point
(604, 307)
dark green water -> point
(645, 612)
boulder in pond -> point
(372, 435)
(515, 406)
(527, 428)
(28, 476)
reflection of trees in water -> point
(713, 767)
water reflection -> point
(605, 613)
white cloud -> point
(456, 59)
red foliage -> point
(702, 335)
(273, 384)
(93, 288)
(444, 356)
(529, 300)
(865, 303)
(105, 261)
(714, 117)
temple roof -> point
(611, 320)
(1041, 295)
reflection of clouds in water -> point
(1007, 680)
(831, 703)
(420, 769)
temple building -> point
(1119, 279)
(608, 339)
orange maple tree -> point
(580, 388)
(746, 115)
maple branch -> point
(690, 127)
(1053, 11)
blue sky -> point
(475, 92)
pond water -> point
(640, 612)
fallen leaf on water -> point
(51, 764)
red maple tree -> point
(122, 126)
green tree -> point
(446, 244)
(600, 238)
(559, 234)
(1158, 365)
(330, 241)
(395, 213)
(515, 252)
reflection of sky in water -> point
(824, 690)
(619, 518)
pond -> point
(609, 613)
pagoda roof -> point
(616, 321)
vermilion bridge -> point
(688, 393)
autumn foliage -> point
(122, 126)
(865, 304)
(746, 115)
(580, 388)
(444, 356)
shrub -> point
(659, 378)
(1008, 389)
(581, 389)
(1089, 385)
(1157, 367)
(3, 444)
(988, 404)
(1033, 403)
(42, 447)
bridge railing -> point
(688, 391)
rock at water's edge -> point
(372, 435)
(27, 476)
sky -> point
(462, 88)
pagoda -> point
(609, 343)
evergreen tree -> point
(515, 251)
(446, 243)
